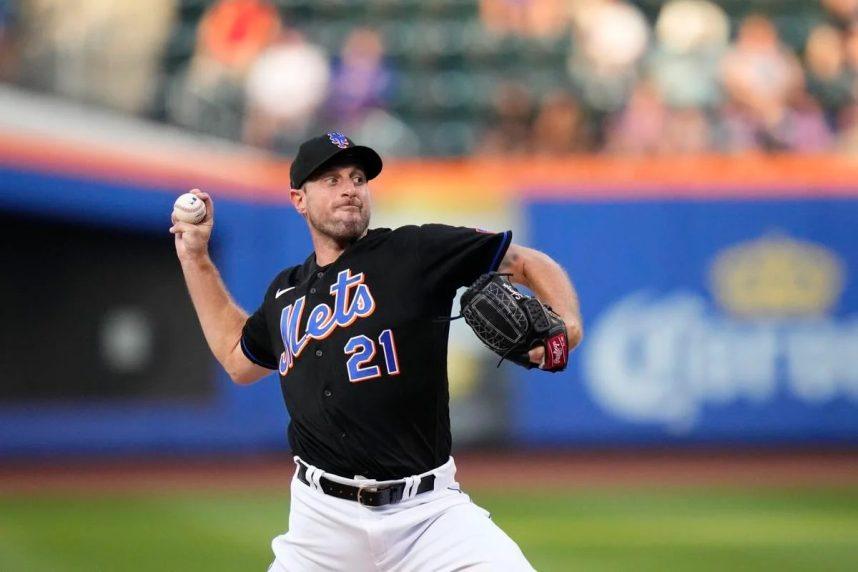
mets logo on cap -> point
(338, 139)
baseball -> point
(189, 208)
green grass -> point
(733, 530)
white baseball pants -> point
(438, 531)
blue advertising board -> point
(717, 321)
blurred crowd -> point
(686, 84)
(686, 78)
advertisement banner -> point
(705, 321)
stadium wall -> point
(718, 293)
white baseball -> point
(189, 208)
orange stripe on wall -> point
(601, 177)
(262, 177)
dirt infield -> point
(476, 470)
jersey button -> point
(327, 393)
(342, 435)
(312, 290)
(319, 274)
(318, 353)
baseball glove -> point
(511, 323)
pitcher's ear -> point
(297, 196)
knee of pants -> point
(463, 537)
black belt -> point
(370, 494)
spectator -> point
(827, 78)
(759, 72)
(509, 129)
(208, 95)
(687, 131)
(99, 51)
(844, 12)
(638, 129)
(805, 129)
(612, 37)
(649, 127)
(285, 88)
(233, 33)
(850, 50)
(692, 36)
(362, 85)
(847, 123)
(391, 136)
(800, 127)
(560, 126)
(526, 18)
(361, 80)
(760, 76)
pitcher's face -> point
(336, 203)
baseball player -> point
(355, 335)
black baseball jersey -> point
(361, 351)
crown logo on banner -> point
(776, 276)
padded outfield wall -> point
(719, 297)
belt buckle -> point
(361, 489)
(392, 494)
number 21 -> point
(362, 350)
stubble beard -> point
(341, 231)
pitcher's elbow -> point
(240, 376)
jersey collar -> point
(310, 267)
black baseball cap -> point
(318, 151)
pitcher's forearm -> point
(550, 283)
(547, 279)
(220, 317)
